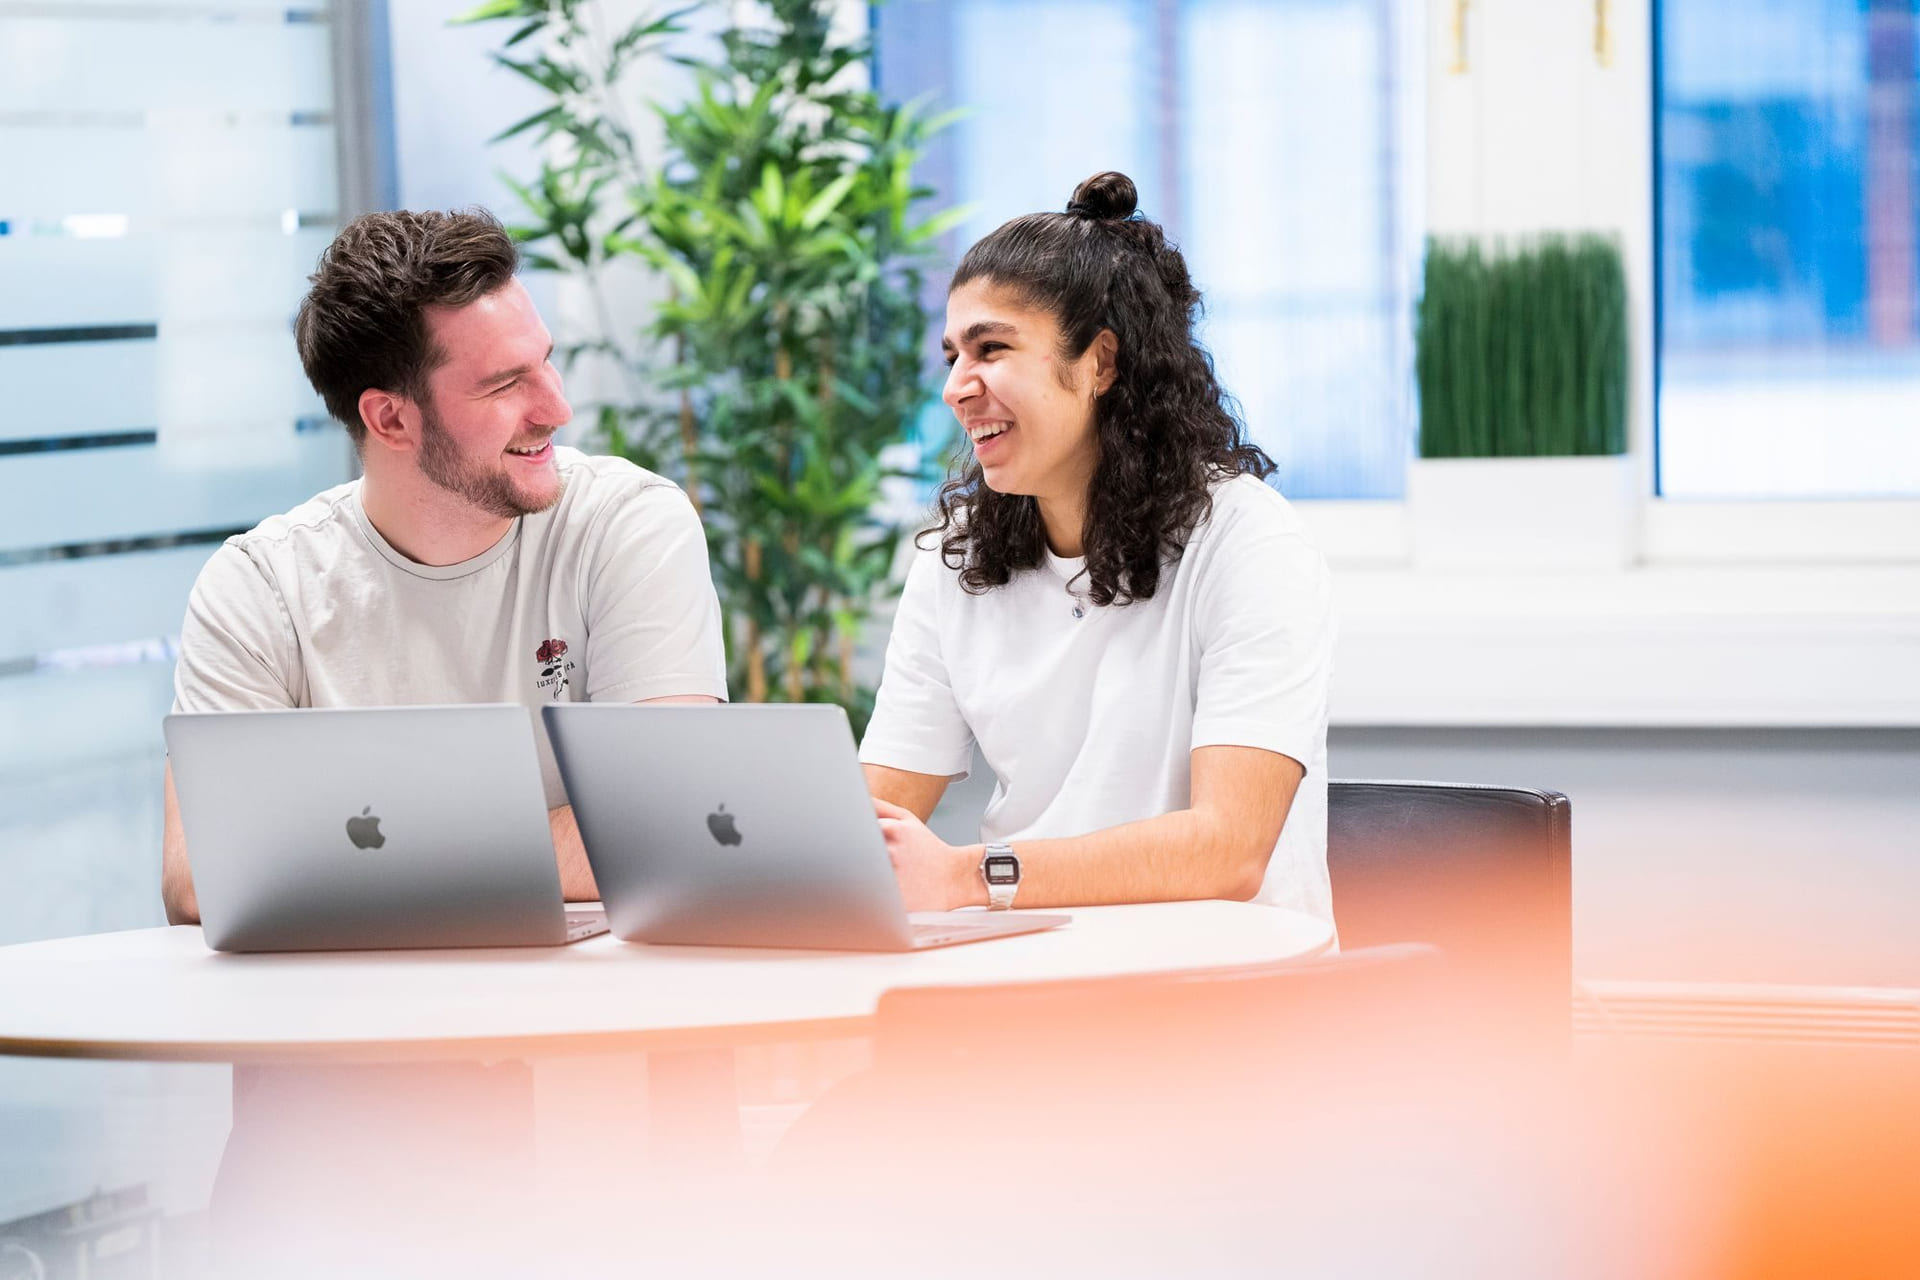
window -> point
(1789, 249)
(1266, 137)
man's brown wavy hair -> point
(363, 322)
(1166, 430)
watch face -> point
(1003, 868)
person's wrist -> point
(970, 887)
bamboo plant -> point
(1523, 352)
(790, 353)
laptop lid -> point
(367, 828)
(732, 825)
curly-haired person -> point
(1131, 625)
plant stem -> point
(756, 658)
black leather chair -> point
(1482, 872)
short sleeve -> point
(237, 649)
(653, 620)
(917, 725)
(1263, 619)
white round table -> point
(160, 994)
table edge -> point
(520, 1046)
(462, 1048)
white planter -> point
(1523, 513)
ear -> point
(392, 419)
(1106, 361)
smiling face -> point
(1028, 410)
(487, 423)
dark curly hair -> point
(363, 322)
(1165, 429)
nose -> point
(962, 384)
(552, 408)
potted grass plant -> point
(1521, 360)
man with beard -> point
(475, 560)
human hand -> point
(934, 875)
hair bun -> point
(1106, 196)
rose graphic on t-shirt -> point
(552, 657)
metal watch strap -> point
(1000, 896)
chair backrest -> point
(1482, 872)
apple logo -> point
(721, 824)
(364, 830)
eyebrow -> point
(978, 330)
(508, 375)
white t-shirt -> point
(603, 597)
(1089, 721)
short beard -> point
(492, 491)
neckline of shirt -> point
(434, 572)
(1067, 567)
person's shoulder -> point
(1246, 506)
(245, 572)
(279, 541)
(597, 485)
(607, 474)
(326, 514)
(1254, 534)
(927, 562)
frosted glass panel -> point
(63, 605)
(240, 276)
(224, 386)
(85, 495)
(167, 179)
(56, 281)
(176, 59)
(39, 400)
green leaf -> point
(545, 116)
(498, 9)
(773, 191)
(821, 207)
(941, 223)
(537, 25)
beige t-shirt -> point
(603, 597)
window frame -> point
(1752, 532)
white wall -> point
(449, 99)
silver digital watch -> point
(1001, 870)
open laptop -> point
(742, 826)
(317, 830)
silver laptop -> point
(393, 827)
(744, 826)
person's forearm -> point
(1177, 856)
(177, 896)
(576, 876)
(176, 877)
